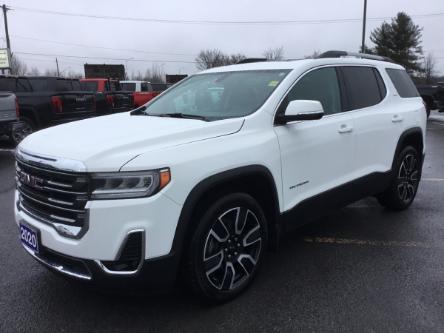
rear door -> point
(316, 155)
(376, 120)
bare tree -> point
(276, 53)
(210, 58)
(314, 55)
(51, 72)
(215, 58)
(155, 74)
(34, 71)
(18, 67)
(73, 75)
(428, 68)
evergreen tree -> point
(399, 40)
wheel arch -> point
(250, 179)
(413, 137)
(30, 113)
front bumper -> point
(109, 224)
(154, 274)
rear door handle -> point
(396, 118)
(345, 128)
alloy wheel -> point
(408, 177)
(232, 248)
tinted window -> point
(128, 86)
(63, 85)
(23, 85)
(144, 86)
(402, 82)
(39, 84)
(319, 85)
(88, 86)
(362, 87)
(75, 85)
(7, 84)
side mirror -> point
(301, 110)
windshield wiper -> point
(179, 115)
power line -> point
(99, 47)
(217, 22)
(102, 58)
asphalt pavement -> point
(360, 269)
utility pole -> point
(57, 64)
(5, 20)
(364, 21)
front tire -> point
(227, 247)
(405, 181)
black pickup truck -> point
(433, 96)
(46, 101)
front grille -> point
(53, 196)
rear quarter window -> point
(402, 82)
(40, 84)
(364, 87)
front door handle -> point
(345, 128)
(396, 118)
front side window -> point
(318, 85)
(215, 96)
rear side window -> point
(23, 85)
(318, 85)
(364, 87)
(145, 86)
(128, 86)
(7, 84)
(39, 84)
(63, 85)
(402, 82)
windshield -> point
(216, 96)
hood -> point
(106, 143)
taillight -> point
(110, 100)
(17, 110)
(56, 102)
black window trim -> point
(278, 110)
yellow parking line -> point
(346, 241)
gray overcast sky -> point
(31, 31)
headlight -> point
(126, 185)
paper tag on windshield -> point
(273, 83)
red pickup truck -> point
(143, 91)
(110, 98)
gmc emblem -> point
(30, 180)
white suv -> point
(203, 179)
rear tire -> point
(21, 130)
(227, 248)
(405, 180)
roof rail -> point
(343, 54)
(250, 60)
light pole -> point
(364, 20)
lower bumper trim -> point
(61, 265)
